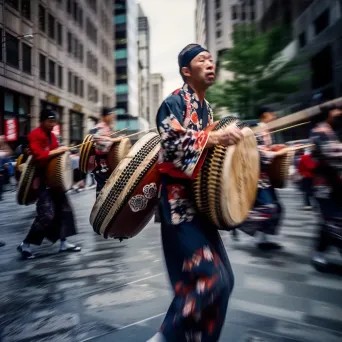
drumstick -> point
(125, 129)
(131, 135)
(285, 128)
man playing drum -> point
(103, 142)
(54, 214)
(196, 260)
(263, 220)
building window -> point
(76, 127)
(234, 12)
(121, 53)
(218, 15)
(51, 27)
(12, 50)
(91, 32)
(26, 58)
(217, 3)
(322, 22)
(69, 82)
(81, 53)
(302, 39)
(59, 34)
(1, 44)
(75, 85)
(243, 16)
(252, 15)
(13, 3)
(60, 77)
(69, 42)
(76, 48)
(121, 89)
(120, 19)
(75, 11)
(26, 9)
(80, 18)
(218, 33)
(52, 72)
(81, 88)
(42, 67)
(92, 5)
(69, 6)
(41, 18)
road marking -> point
(142, 321)
(142, 279)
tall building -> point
(215, 21)
(157, 90)
(144, 62)
(126, 57)
(55, 54)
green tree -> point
(261, 75)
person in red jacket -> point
(306, 168)
(54, 218)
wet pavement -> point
(114, 291)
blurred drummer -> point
(327, 181)
(196, 260)
(264, 219)
(54, 220)
(103, 142)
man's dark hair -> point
(264, 109)
(46, 114)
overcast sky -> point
(172, 27)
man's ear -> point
(186, 71)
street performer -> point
(264, 219)
(327, 181)
(103, 143)
(54, 219)
(196, 260)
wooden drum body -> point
(225, 189)
(59, 173)
(19, 166)
(117, 152)
(128, 200)
(29, 183)
(87, 155)
(279, 169)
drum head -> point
(118, 151)
(239, 179)
(67, 172)
(127, 202)
(29, 183)
(87, 155)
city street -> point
(119, 292)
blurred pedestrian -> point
(5, 153)
(327, 181)
(306, 169)
(55, 219)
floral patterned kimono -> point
(266, 213)
(196, 260)
(327, 184)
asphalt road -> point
(114, 291)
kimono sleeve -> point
(102, 146)
(182, 148)
(36, 147)
(329, 150)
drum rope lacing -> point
(115, 192)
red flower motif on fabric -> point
(194, 118)
(175, 192)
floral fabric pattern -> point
(180, 121)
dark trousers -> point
(54, 219)
(101, 179)
(330, 227)
(202, 280)
(307, 190)
(1, 184)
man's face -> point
(202, 69)
(109, 119)
(269, 116)
(49, 124)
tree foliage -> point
(261, 74)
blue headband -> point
(185, 58)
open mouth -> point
(211, 75)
